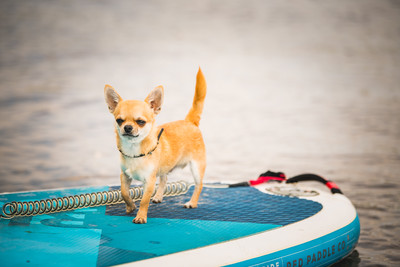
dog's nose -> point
(128, 128)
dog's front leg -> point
(149, 185)
(125, 185)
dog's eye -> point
(120, 121)
(140, 122)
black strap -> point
(159, 135)
(313, 177)
(239, 184)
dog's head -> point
(134, 119)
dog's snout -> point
(128, 128)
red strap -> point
(263, 179)
(331, 185)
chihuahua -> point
(148, 151)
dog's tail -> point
(198, 100)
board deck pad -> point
(105, 235)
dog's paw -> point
(190, 205)
(130, 209)
(157, 199)
(139, 220)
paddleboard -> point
(271, 224)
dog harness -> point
(148, 153)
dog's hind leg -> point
(197, 168)
(158, 197)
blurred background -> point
(293, 86)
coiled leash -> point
(88, 200)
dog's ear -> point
(112, 97)
(155, 99)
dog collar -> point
(148, 153)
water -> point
(298, 87)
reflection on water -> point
(294, 87)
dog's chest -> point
(137, 169)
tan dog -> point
(148, 151)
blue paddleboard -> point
(272, 224)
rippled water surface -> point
(304, 86)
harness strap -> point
(148, 153)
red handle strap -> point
(281, 177)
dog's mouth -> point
(130, 135)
